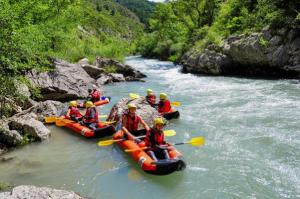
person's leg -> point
(166, 154)
(152, 155)
(93, 126)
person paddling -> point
(131, 121)
(155, 139)
(94, 94)
(90, 119)
(73, 112)
(164, 105)
(151, 98)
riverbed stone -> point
(32, 192)
(65, 82)
(147, 112)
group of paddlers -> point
(154, 136)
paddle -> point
(197, 141)
(135, 96)
(52, 119)
(167, 133)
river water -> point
(252, 149)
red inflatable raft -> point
(98, 103)
(160, 167)
(103, 130)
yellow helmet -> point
(159, 120)
(131, 106)
(89, 104)
(73, 103)
(163, 96)
(149, 91)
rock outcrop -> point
(67, 81)
(147, 112)
(27, 125)
(270, 53)
(32, 192)
(125, 70)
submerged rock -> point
(147, 112)
(67, 81)
(32, 192)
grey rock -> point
(9, 138)
(67, 81)
(126, 70)
(110, 78)
(27, 125)
(32, 192)
(43, 109)
(208, 62)
(273, 53)
(93, 71)
(83, 62)
(147, 112)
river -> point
(252, 149)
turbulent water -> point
(252, 149)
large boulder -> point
(67, 81)
(29, 126)
(147, 112)
(120, 68)
(9, 138)
(270, 53)
(208, 62)
(16, 130)
(44, 109)
(32, 192)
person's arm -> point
(144, 124)
(68, 113)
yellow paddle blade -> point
(110, 122)
(133, 95)
(176, 103)
(169, 133)
(50, 120)
(106, 142)
(103, 116)
(197, 141)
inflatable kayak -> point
(98, 103)
(171, 115)
(103, 130)
(159, 167)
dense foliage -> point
(34, 31)
(142, 8)
(180, 25)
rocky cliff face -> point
(270, 53)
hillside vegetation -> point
(181, 25)
(33, 32)
(142, 8)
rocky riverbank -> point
(32, 192)
(65, 82)
(270, 53)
